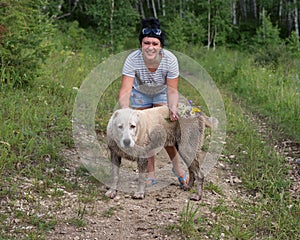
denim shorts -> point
(142, 100)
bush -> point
(24, 41)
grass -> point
(269, 212)
(36, 126)
(187, 220)
(264, 173)
(270, 91)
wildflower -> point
(188, 111)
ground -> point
(151, 218)
(85, 213)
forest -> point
(271, 27)
(251, 51)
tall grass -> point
(35, 126)
(271, 91)
(264, 175)
(265, 209)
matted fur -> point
(136, 134)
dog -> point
(136, 134)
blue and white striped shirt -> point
(151, 82)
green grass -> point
(264, 173)
(269, 212)
(36, 125)
(271, 92)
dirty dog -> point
(134, 134)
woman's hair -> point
(150, 27)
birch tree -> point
(164, 8)
(209, 35)
(154, 9)
(111, 23)
(296, 22)
(142, 9)
(233, 12)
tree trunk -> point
(264, 24)
(254, 9)
(180, 9)
(289, 19)
(233, 12)
(214, 38)
(208, 26)
(163, 8)
(280, 10)
(154, 9)
(296, 22)
(111, 24)
(142, 9)
(243, 8)
(158, 4)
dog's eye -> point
(132, 126)
(120, 126)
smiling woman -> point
(150, 79)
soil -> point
(157, 216)
(154, 217)
(84, 214)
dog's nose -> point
(126, 142)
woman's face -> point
(151, 48)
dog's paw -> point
(186, 187)
(138, 195)
(111, 193)
(195, 197)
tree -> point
(267, 34)
(24, 41)
(296, 22)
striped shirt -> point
(148, 82)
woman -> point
(150, 79)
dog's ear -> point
(116, 114)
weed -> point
(187, 220)
(212, 187)
(77, 222)
(109, 212)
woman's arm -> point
(125, 90)
(172, 94)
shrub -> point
(24, 43)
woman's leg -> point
(151, 170)
(172, 152)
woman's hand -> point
(174, 115)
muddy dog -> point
(133, 134)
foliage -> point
(25, 43)
(293, 45)
(273, 91)
(267, 42)
(114, 22)
(175, 34)
(267, 34)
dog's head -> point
(125, 126)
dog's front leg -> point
(116, 162)
(142, 166)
